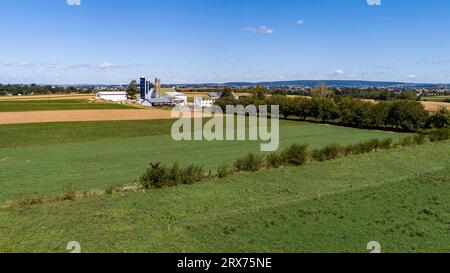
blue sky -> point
(193, 41)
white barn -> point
(179, 98)
(112, 96)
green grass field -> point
(48, 105)
(40, 159)
(398, 197)
(437, 99)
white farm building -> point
(178, 98)
(112, 96)
(201, 102)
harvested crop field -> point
(46, 97)
(82, 115)
(433, 106)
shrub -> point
(154, 177)
(29, 201)
(192, 174)
(223, 171)
(385, 144)
(365, 147)
(274, 160)
(175, 174)
(440, 119)
(372, 145)
(250, 163)
(439, 135)
(69, 193)
(296, 154)
(406, 141)
(330, 152)
(420, 139)
(352, 149)
(318, 155)
(158, 176)
(111, 189)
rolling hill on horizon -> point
(331, 83)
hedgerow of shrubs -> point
(160, 176)
(385, 144)
(330, 152)
(274, 160)
(439, 135)
(223, 171)
(192, 174)
(406, 141)
(420, 139)
(250, 163)
(296, 154)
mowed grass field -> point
(437, 98)
(398, 197)
(57, 104)
(40, 159)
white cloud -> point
(102, 66)
(25, 64)
(73, 2)
(411, 77)
(106, 66)
(263, 30)
(374, 2)
(300, 22)
(339, 72)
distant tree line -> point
(13, 89)
(375, 93)
(404, 115)
(237, 90)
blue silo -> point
(143, 87)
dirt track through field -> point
(82, 115)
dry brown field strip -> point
(82, 115)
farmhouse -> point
(112, 96)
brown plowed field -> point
(82, 115)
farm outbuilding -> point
(112, 96)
